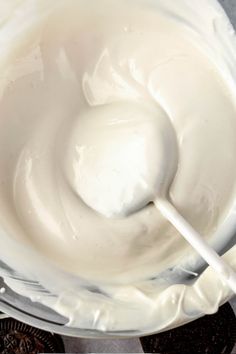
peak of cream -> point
(90, 91)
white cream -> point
(121, 156)
(102, 107)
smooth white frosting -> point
(121, 156)
(102, 107)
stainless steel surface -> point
(102, 346)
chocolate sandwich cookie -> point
(213, 334)
(19, 338)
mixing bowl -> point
(44, 285)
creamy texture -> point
(124, 156)
(103, 108)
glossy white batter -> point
(103, 105)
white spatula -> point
(226, 273)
